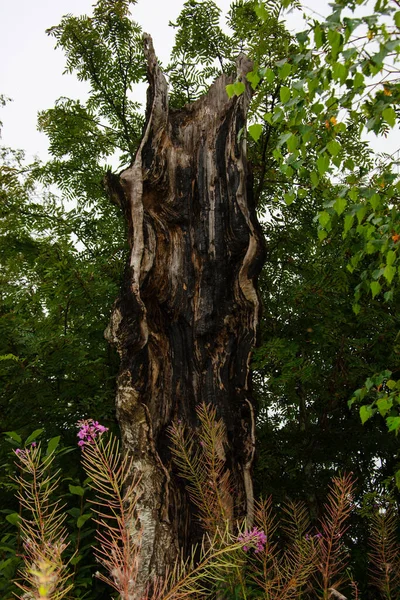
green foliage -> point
(331, 75)
(328, 96)
(202, 51)
(106, 51)
(199, 43)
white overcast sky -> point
(31, 70)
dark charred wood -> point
(188, 313)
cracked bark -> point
(188, 312)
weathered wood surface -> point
(187, 316)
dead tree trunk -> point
(187, 317)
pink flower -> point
(89, 430)
(254, 538)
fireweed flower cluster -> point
(254, 538)
(24, 455)
(89, 430)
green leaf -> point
(340, 205)
(369, 383)
(366, 412)
(348, 223)
(314, 179)
(239, 88)
(361, 212)
(356, 308)
(261, 11)
(384, 405)
(75, 559)
(284, 94)
(270, 75)
(230, 90)
(253, 78)
(278, 115)
(35, 434)
(390, 257)
(388, 296)
(52, 445)
(358, 80)
(82, 519)
(284, 138)
(339, 72)
(375, 288)
(285, 71)
(397, 18)
(13, 518)
(324, 218)
(323, 163)
(77, 490)
(389, 273)
(333, 147)
(393, 424)
(375, 201)
(391, 384)
(255, 131)
(397, 474)
(318, 36)
(14, 436)
(289, 198)
(389, 115)
(377, 274)
(334, 39)
(292, 143)
(322, 234)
